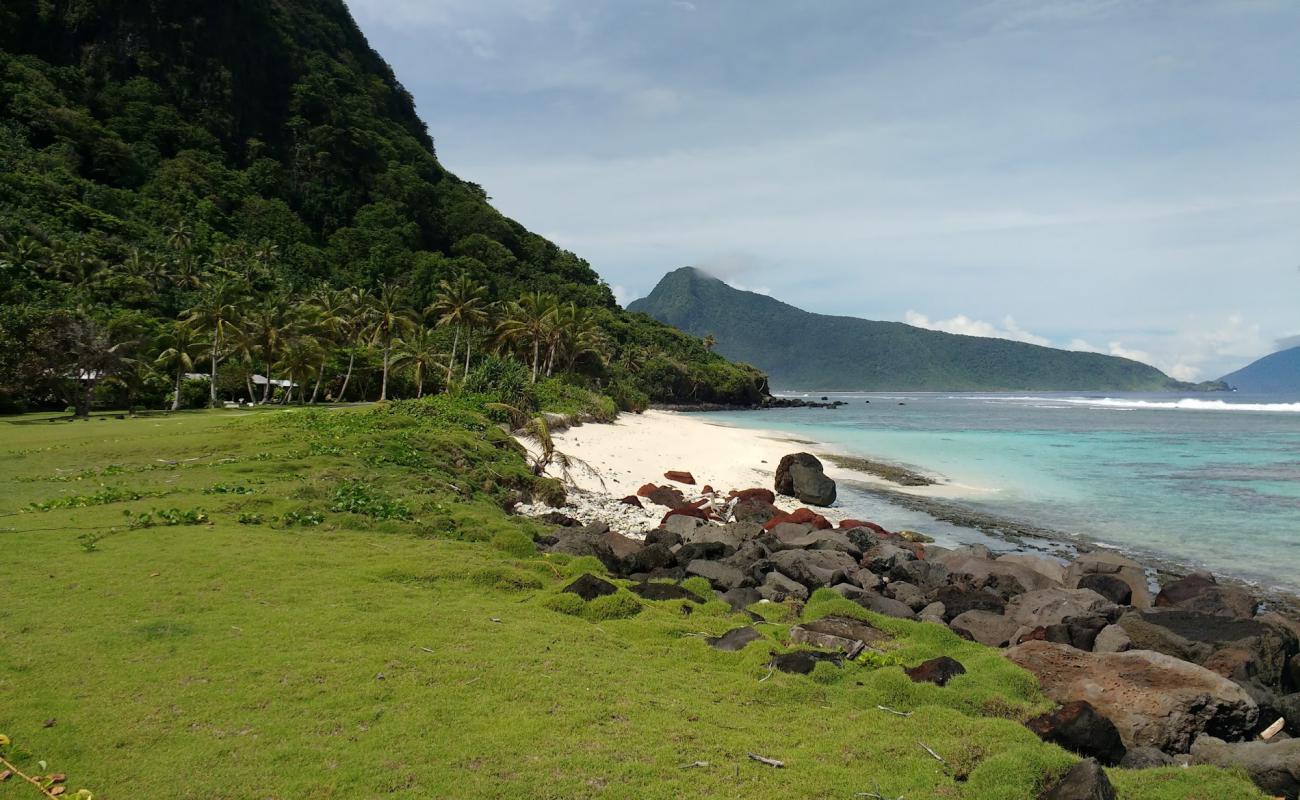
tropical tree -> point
(391, 318)
(216, 315)
(574, 332)
(94, 353)
(347, 314)
(462, 304)
(710, 342)
(269, 328)
(526, 323)
(180, 349)
(420, 351)
(300, 360)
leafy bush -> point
(359, 497)
(515, 543)
(505, 380)
(620, 605)
(565, 603)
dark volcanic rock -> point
(561, 519)
(589, 587)
(838, 633)
(650, 558)
(754, 509)
(1195, 636)
(616, 551)
(1085, 781)
(1273, 766)
(1145, 758)
(578, 541)
(1108, 586)
(1080, 632)
(958, 600)
(984, 627)
(874, 601)
(741, 598)
(937, 671)
(1078, 727)
(665, 496)
(1200, 592)
(720, 576)
(709, 551)
(801, 475)
(766, 495)
(814, 568)
(802, 662)
(734, 639)
(661, 536)
(632, 500)
(665, 591)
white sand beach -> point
(638, 448)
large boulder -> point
(753, 509)
(668, 496)
(1079, 728)
(937, 671)
(1104, 562)
(720, 576)
(1006, 577)
(1196, 636)
(801, 475)
(734, 640)
(838, 633)
(1201, 592)
(815, 568)
(1153, 699)
(1049, 568)
(617, 551)
(1273, 766)
(777, 587)
(984, 627)
(1046, 607)
(1112, 587)
(578, 541)
(589, 587)
(731, 535)
(958, 600)
(874, 601)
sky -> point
(1111, 175)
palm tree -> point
(527, 323)
(95, 353)
(269, 327)
(300, 360)
(180, 236)
(419, 350)
(180, 350)
(391, 319)
(710, 342)
(346, 314)
(462, 304)
(216, 314)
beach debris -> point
(771, 762)
(1273, 730)
(895, 711)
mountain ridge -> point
(802, 350)
(1274, 373)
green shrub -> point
(620, 605)
(506, 579)
(699, 587)
(503, 380)
(565, 603)
(515, 543)
(583, 565)
(628, 397)
(358, 497)
(825, 672)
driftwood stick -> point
(895, 711)
(930, 750)
(771, 762)
(33, 781)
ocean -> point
(1207, 482)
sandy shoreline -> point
(618, 458)
(638, 449)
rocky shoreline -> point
(1149, 668)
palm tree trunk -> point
(212, 378)
(176, 398)
(419, 381)
(383, 388)
(266, 393)
(536, 354)
(352, 357)
(320, 373)
(248, 384)
(455, 340)
(467, 346)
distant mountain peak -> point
(805, 351)
(1274, 373)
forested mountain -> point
(165, 159)
(1276, 373)
(802, 350)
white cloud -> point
(963, 324)
(479, 42)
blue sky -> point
(1096, 174)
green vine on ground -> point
(51, 785)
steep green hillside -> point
(152, 151)
(1276, 373)
(802, 350)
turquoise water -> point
(1210, 482)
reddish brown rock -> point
(1201, 592)
(1153, 699)
(937, 671)
(861, 523)
(1079, 728)
(632, 500)
(680, 476)
(800, 516)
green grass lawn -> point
(375, 626)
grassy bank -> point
(330, 604)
